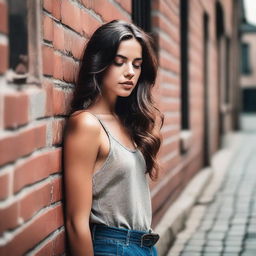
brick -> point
(165, 9)
(47, 28)
(166, 27)
(74, 44)
(48, 87)
(4, 63)
(36, 168)
(58, 66)
(70, 15)
(47, 4)
(4, 185)
(170, 147)
(39, 228)
(168, 63)
(56, 246)
(22, 143)
(57, 130)
(37, 199)
(61, 101)
(56, 189)
(3, 18)
(107, 11)
(10, 216)
(88, 23)
(126, 5)
(56, 9)
(15, 109)
(47, 60)
(169, 45)
(70, 69)
(58, 37)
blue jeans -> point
(113, 241)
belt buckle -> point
(149, 239)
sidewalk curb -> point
(175, 217)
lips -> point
(127, 83)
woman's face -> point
(122, 75)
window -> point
(245, 64)
(24, 41)
(185, 135)
(184, 64)
(141, 14)
(18, 36)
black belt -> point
(125, 235)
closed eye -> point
(137, 66)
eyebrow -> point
(125, 58)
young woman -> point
(111, 142)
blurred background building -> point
(248, 66)
(198, 90)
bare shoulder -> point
(83, 122)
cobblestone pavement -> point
(227, 225)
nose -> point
(129, 72)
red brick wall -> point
(179, 168)
(32, 119)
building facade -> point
(41, 43)
(248, 67)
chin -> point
(124, 94)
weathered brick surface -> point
(36, 168)
(15, 109)
(3, 19)
(22, 143)
(4, 185)
(4, 58)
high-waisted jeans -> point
(113, 241)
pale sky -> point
(250, 11)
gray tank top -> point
(121, 195)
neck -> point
(105, 105)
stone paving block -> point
(234, 238)
(250, 245)
(214, 243)
(251, 229)
(190, 254)
(211, 254)
(248, 253)
(216, 236)
(195, 242)
(215, 249)
(199, 235)
(193, 248)
(235, 221)
(233, 243)
(220, 228)
(237, 231)
(233, 249)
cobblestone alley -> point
(226, 225)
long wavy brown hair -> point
(137, 112)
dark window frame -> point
(184, 11)
(141, 14)
(29, 68)
(245, 56)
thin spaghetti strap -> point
(103, 125)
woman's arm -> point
(80, 152)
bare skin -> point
(87, 144)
